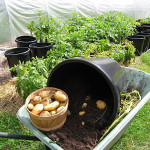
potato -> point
(88, 98)
(83, 123)
(45, 114)
(59, 96)
(45, 101)
(52, 106)
(81, 113)
(30, 106)
(37, 109)
(59, 109)
(62, 104)
(45, 93)
(84, 105)
(53, 112)
(101, 104)
(36, 100)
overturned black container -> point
(39, 49)
(15, 55)
(97, 77)
(25, 41)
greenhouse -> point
(15, 15)
(74, 74)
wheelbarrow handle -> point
(18, 136)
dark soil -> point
(76, 136)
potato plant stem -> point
(128, 109)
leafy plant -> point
(45, 29)
(75, 22)
(117, 52)
(130, 50)
(31, 76)
(122, 52)
(145, 20)
(128, 102)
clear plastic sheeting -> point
(16, 14)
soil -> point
(81, 132)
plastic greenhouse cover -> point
(16, 14)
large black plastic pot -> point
(138, 42)
(15, 55)
(147, 40)
(39, 49)
(142, 28)
(146, 32)
(97, 77)
(25, 41)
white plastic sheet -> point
(16, 14)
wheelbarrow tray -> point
(133, 79)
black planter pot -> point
(146, 32)
(25, 41)
(138, 42)
(145, 24)
(15, 55)
(142, 28)
(147, 40)
(97, 77)
(39, 49)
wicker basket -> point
(48, 123)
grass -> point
(145, 58)
(136, 137)
(9, 123)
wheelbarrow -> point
(124, 79)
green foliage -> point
(122, 52)
(114, 26)
(119, 25)
(145, 20)
(130, 50)
(45, 29)
(118, 52)
(31, 76)
(75, 22)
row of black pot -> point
(27, 47)
(36, 49)
(141, 41)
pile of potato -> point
(47, 103)
(99, 103)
